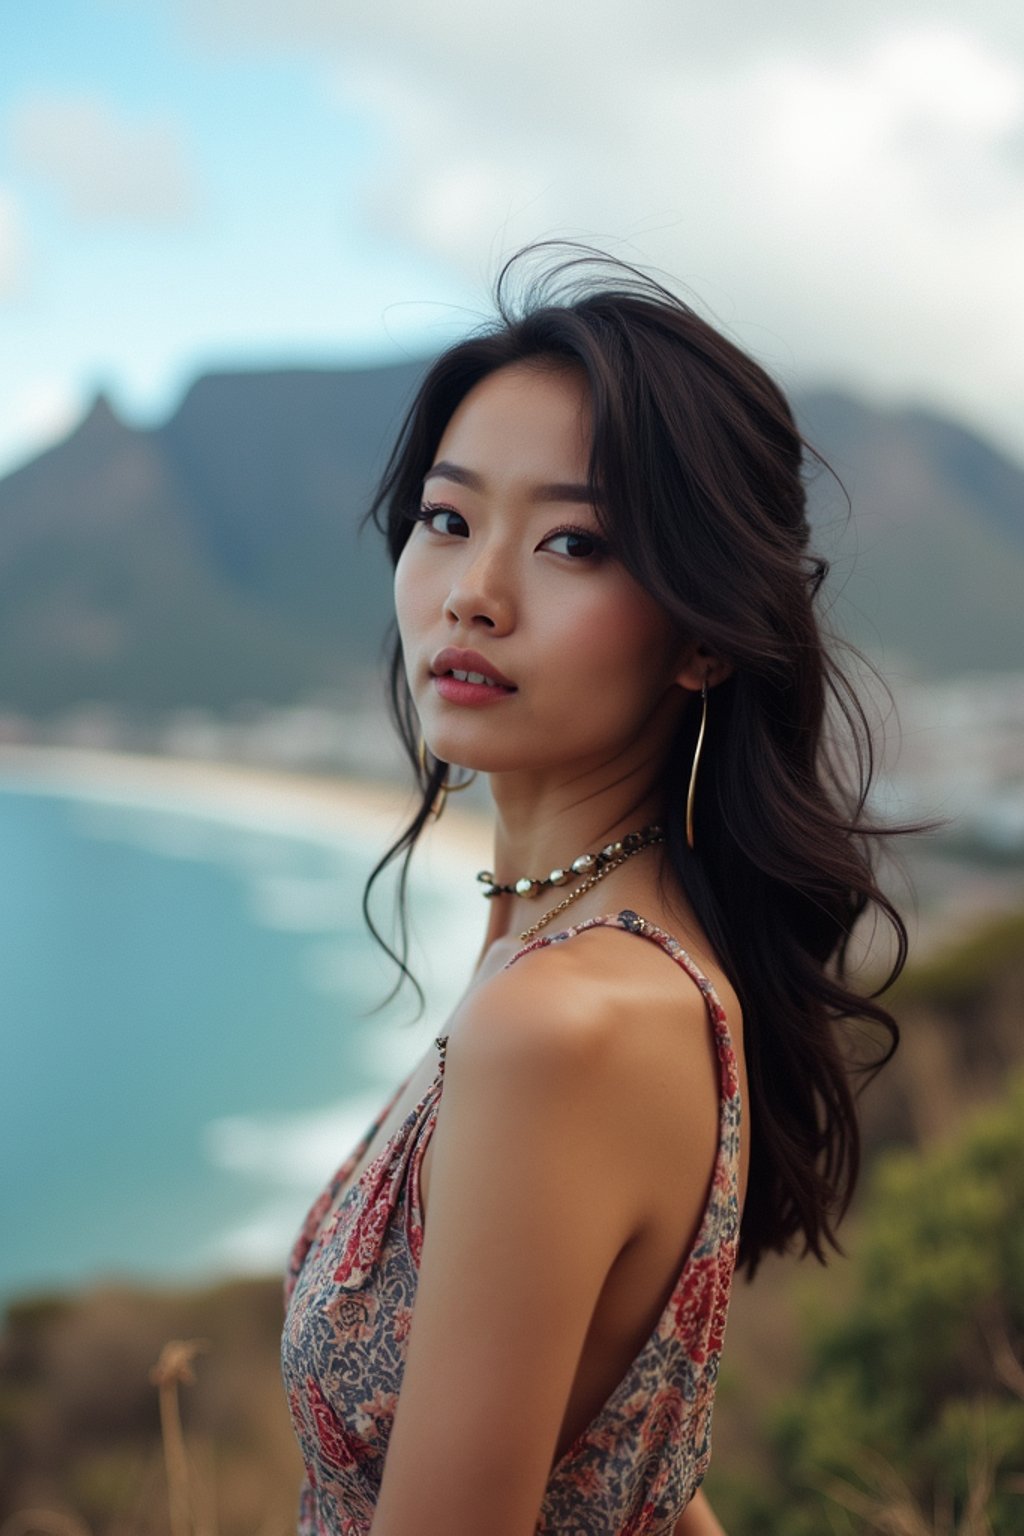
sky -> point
(189, 184)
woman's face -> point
(507, 565)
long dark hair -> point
(697, 470)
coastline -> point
(944, 894)
(271, 1154)
(322, 807)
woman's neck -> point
(535, 834)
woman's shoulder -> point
(601, 1001)
(601, 1040)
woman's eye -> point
(577, 543)
(442, 519)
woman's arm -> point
(533, 1193)
(698, 1519)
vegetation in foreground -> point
(908, 1418)
(883, 1395)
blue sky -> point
(194, 183)
(249, 249)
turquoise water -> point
(184, 1059)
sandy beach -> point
(322, 807)
(366, 817)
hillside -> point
(928, 568)
(215, 558)
(79, 1413)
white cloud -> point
(857, 215)
(108, 166)
(723, 30)
(844, 188)
(12, 246)
(301, 24)
(38, 412)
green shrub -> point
(915, 1395)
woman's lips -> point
(479, 681)
(454, 658)
(474, 694)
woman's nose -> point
(481, 595)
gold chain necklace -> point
(617, 853)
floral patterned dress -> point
(350, 1292)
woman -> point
(516, 1286)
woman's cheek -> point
(409, 593)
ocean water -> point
(186, 1052)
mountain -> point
(211, 560)
(928, 560)
(215, 559)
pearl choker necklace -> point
(586, 864)
(589, 867)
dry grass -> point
(44, 1522)
(189, 1470)
(884, 1503)
(887, 1506)
(172, 1370)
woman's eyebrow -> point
(557, 491)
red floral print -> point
(334, 1447)
(351, 1292)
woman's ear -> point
(698, 667)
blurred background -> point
(231, 238)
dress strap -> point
(632, 922)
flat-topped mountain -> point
(216, 559)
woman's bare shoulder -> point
(602, 1000)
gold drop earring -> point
(444, 788)
(696, 759)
